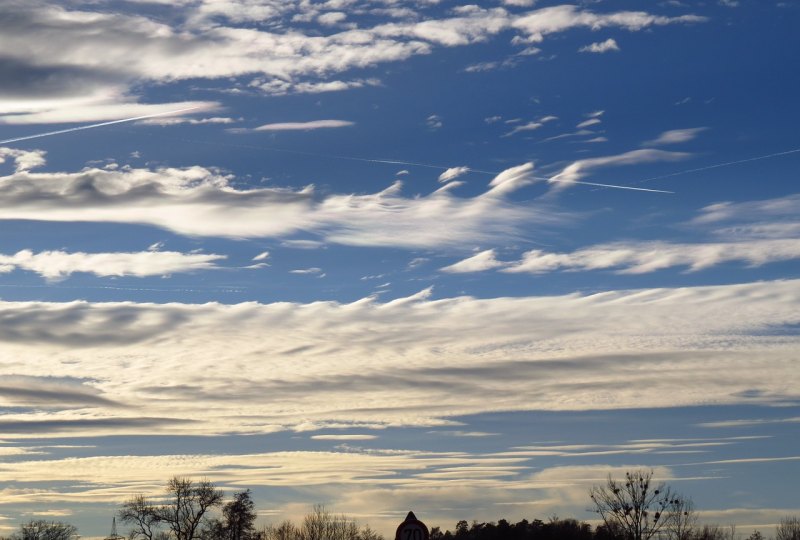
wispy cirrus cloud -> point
(780, 208)
(747, 422)
(588, 123)
(752, 221)
(531, 126)
(675, 136)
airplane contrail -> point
(494, 173)
(417, 164)
(101, 124)
(718, 165)
(606, 185)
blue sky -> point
(463, 259)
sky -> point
(390, 255)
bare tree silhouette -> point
(188, 503)
(788, 529)
(635, 507)
(40, 529)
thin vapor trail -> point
(495, 173)
(417, 164)
(718, 165)
(606, 185)
(101, 124)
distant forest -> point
(632, 508)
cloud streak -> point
(305, 126)
(57, 265)
(675, 136)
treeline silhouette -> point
(571, 529)
(632, 508)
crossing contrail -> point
(101, 124)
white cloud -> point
(278, 87)
(171, 121)
(511, 180)
(452, 173)
(196, 201)
(579, 133)
(305, 126)
(601, 46)
(164, 365)
(754, 233)
(675, 136)
(332, 18)
(549, 20)
(371, 485)
(752, 221)
(55, 265)
(784, 208)
(351, 437)
(530, 126)
(643, 257)
(313, 270)
(485, 260)
(583, 167)
(588, 123)
(55, 73)
(24, 160)
(750, 422)
(434, 122)
(133, 474)
(303, 244)
(261, 256)
(482, 66)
